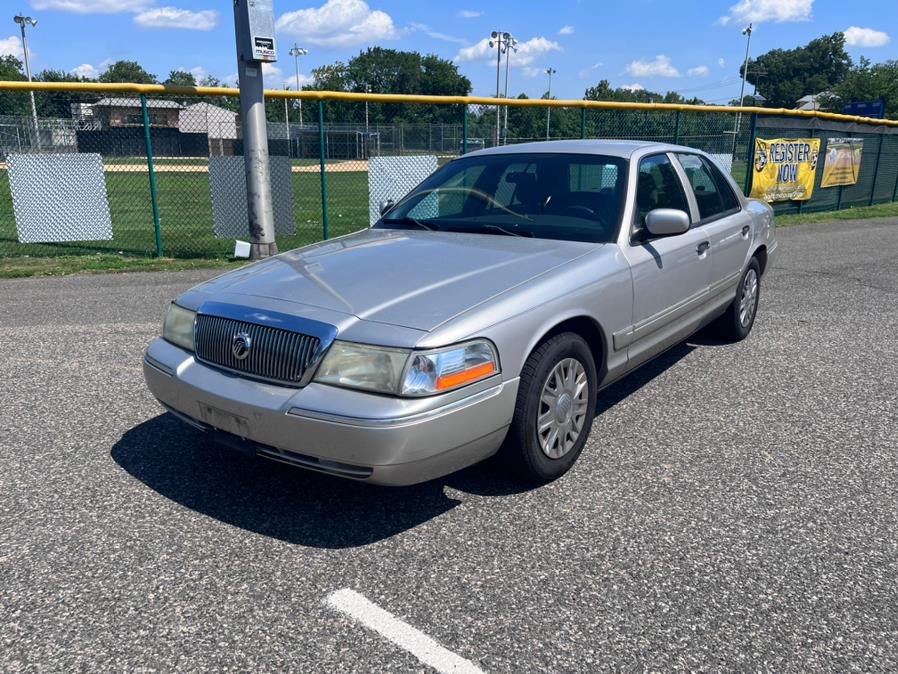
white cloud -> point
(11, 46)
(636, 86)
(86, 70)
(469, 13)
(698, 71)
(587, 72)
(865, 37)
(566, 30)
(436, 35)
(721, 62)
(338, 23)
(777, 11)
(526, 54)
(91, 6)
(175, 17)
(660, 67)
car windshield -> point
(577, 197)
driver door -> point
(671, 274)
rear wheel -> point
(739, 318)
(554, 410)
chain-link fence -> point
(162, 173)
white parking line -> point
(400, 633)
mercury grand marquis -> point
(482, 313)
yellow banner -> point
(785, 168)
(842, 163)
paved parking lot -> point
(736, 507)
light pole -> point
(22, 21)
(549, 71)
(367, 91)
(510, 46)
(499, 40)
(747, 32)
(296, 51)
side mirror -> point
(386, 205)
(666, 222)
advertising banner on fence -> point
(842, 163)
(785, 168)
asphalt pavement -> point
(735, 508)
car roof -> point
(613, 148)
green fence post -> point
(677, 128)
(321, 153)
(895, 190)
(750, 153)
(154, 200)
(464, 128)
(583, 122)
(876, 170)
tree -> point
(180, 78)
(868, 82)
(391, 71)
(783, 76)
(127, 71)
(13, 102)
(59, 103)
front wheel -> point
(554, 410)
(739, 318)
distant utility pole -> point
(499, 41)
(296, 51)
(511, 46)
(549, 71)
(22, 21)
(254, 27)
(747, 32)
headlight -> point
(372, 368)
(445, 369)
(178, 326)
(407, 373)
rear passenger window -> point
(712, 193)
(658, 186)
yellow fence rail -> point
(99, 87)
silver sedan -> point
(483, 313)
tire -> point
(560, 362)
(736, 323)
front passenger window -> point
(658, 186)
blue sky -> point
(690, 46)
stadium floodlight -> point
(499, 40)
(296, 51)
(511, 45)
(747, 31)
(28, 21)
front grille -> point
(275, 355)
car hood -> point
(406, 278)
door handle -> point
(702, 247)
(746, 230)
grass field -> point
(185, 210)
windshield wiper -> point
(506, 232)
(408, 220)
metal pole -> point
(738, 123)
(498, 72)
(509, 47)
(37, 132)
(876, 170)
(750, 155)
(582, 122)
(255, 144)
(152, 171)
(287, 119)
(549, 72)
(296, 52)
(677, 128)
(464, 131)
(321, 152)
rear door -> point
(725, 223)
(671, 274)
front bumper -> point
(379, 439)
